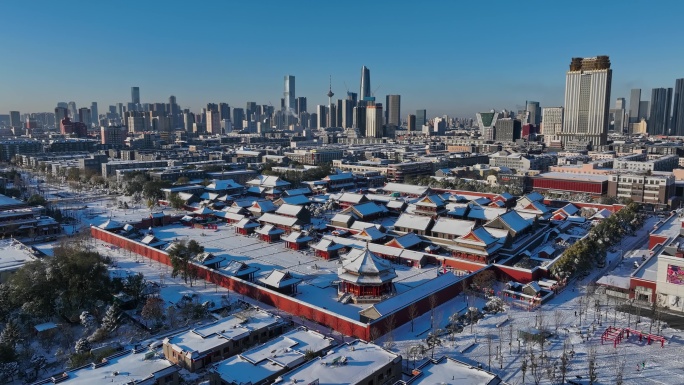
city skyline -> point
(460, 81)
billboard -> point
(675, 275)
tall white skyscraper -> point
(374, 120)
(587, 100)
(552, 125)
(289, 94)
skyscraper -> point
(534, 112)
(393, 115)
(73, 112)
(250, 110)
(224, 111)
(301, 105)
(659, 118)
(238, 118)
(289, 94)
(374, 120)
(411, 123)
(365, 91)
(634, 100)
(421, 119)
(60, 114)
(322, 113)
(94, 115)
(15, 119)
(620, 104)
(213, 120)
(587, 100)
(84, 116)
(678, 109)
(552, 125)
(135, 95)
(347, 113)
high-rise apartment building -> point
(644, 109)
(634, 100)
(94, 115)
(73, 112)
(508, 130)
(84, 116)
(332, 115)
(289, 94)
(135, 95)
(113, 136)
(411, 123)
(224, 111)
(587, 100)
(60, 114)
(213, 120)
(534, 111)
(678, 109)
(374, 119)
(250, 111)
(238, 118)
(365, 90)
(322, 113)
(393, 115)
(15, 119)
(552, 125)
(347, 113)
(659, 117)
(620, 104)
(421, 119)
(301, 105)
(359, 118)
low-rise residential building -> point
(653, 189)
(202, 346)
(342, 365)
(450, 371)
(264, 363)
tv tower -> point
(330, 93)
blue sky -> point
(450, 57)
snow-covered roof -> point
(228, 215)
(405, 188)
(238, 268)
(431, 201)
(456, 227)
(134, 368)
(478, 236)
(110, 225)
(289, 210)
(297, 236)
(268, 181)
(269, 229)
(396, 204)
(602, 214)
(369, 209)
(275, 356)
(342, 218)
(327, 245)
(413, 222)
(370, 234)
(278, 219)
(406, 241)
(350, 363)
(351, 198)
(364, 267)
(209, 196)
(514, 221)
(297, 191)
(296, 200)
(340, 176)
(449, 371)
(263, 206)
(203, 211)
(246, 223)
(360, 225)
(223, 184)
(279, 279)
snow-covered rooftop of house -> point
(449, 371)
(405, 188)
(205, 338)
(223, 184)
(296, 200)
(128, 366)
(263, 206)
(349, 363)
(516, 222)
(14, 255)
(369, 208)
(281, 353)
(416, 222)
(268, 181)
(289, 210)
(456, 227)
(278, 219)
(297, 191)
(279, 279)
(648, 271)
(614, 281)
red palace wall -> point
(290, 305)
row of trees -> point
(296, 176)
(513, 187)
(590, 250)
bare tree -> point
(412, 313)
(564, 366)
(390, 324)
(433, 304)
(374, 334)
(558, 319)
(591, 361)
(536, 369)
(619, 366)
(489, 351)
